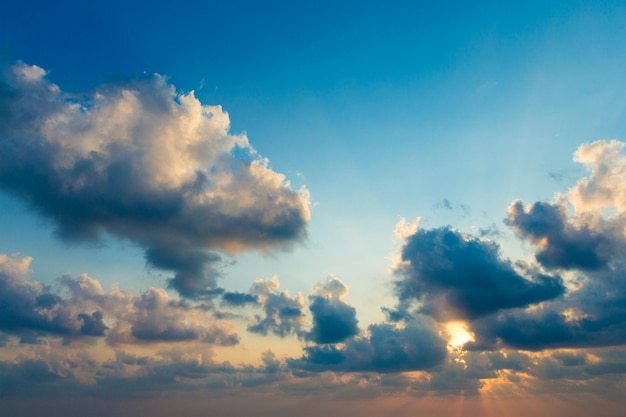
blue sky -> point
(338, 122)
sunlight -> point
(458, 334)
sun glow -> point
(458, 334)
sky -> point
(344, 208)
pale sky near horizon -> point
(374, 206)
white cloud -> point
(141, 161)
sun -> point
(459, 335)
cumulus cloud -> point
(154, 317)
(566, 243)
(333, 319)
(582, 231)
(385, 348)
(31, 311)
(593, 315)
(283, 313)
(584, 228)
(579, 235)
(605, 186)
(140, 161)
(452, 275)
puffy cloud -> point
(385, 348)
(333, 319)
(154, 317)
(140, 161)
(452, 275)
(583, 231)
(593, 315)
(565, 243)
(30, 309)
(283, 314)
(605, 186)
(196, 271)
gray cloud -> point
(196, 271)
(591, 316)
(30, 310)
(582, 231)
(283, 314)
(385, 348)
(561, 243)
(453, 275)
(333, 319)
(156, 317)
(139, 161)
(239, 298)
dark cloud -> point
(139, 161)
(92, 324)
(561, 243)
(582, 231)
(453, 275)
(592, 316)
(333, 319)
(570, 359)
(29, 309)
(581, 368)
(27, 375)
(398, 314)
(283, 314)
(155, 317)
(239, 298)
(386, 348)
(196, 272)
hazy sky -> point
(289, 208)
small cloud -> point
(461, 208)
(333, 320)
(556, 176)
(239, 299)
(283, 314)
(403, 229)
(445, 203)
(491, 232)
(562, 243)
